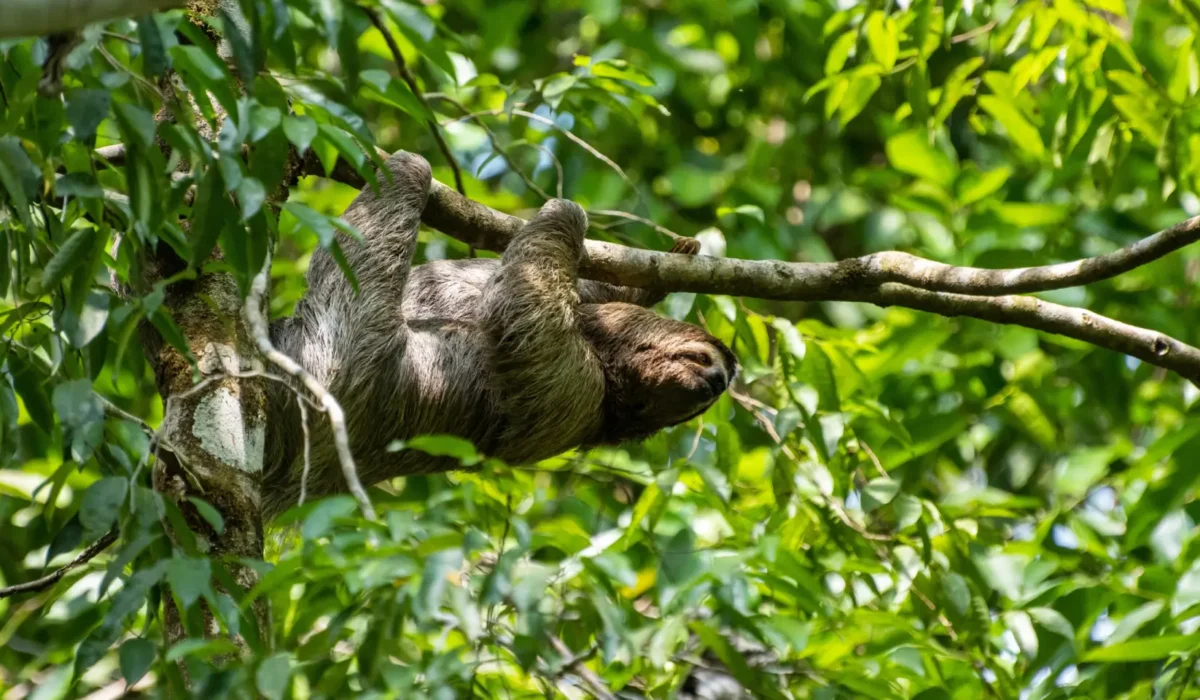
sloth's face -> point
(658, 372)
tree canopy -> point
(928, 481)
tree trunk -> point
(214, 415)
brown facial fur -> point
(658, 372)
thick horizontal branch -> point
(884, 279)
(870, 279)
(483, 227)
(939, 277)
(42, 17)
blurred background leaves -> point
(886, 504)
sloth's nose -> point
(716, 378)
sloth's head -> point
(658, 372)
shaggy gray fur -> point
(505, 353)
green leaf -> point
(211, 515)
(54, 686)
(210, 214)
(795, 633)
(273, 676)
(101, 504)
(73, 253)
(759, 684)
(86, 108)
(974, 186)
(29, 381)
(680, 560)
(793, 342)
(189, 579)
(81, 413)
(235, 32)
(1134, 620)
(879, 492)
(154, 52)
(1144, 649)
(839, 52)
(650, 505)
(1053, 620)
(1029, 215)
(250, 194)
(442, 446)
(165, 324)
(396, 93)
(300, 131)
(957, 592)
(1182, 79)
(749, 210)
(908, 510)
(315, 221)
(1021, 626)
(136, 656)
(881, 37)
(438, 567)
(1015, 124)
(911, 152)
(857, 93)
(200, 649)
(16, 171)
(321, 519)
(263, 120)
(621, 70)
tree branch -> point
(885, 279)
(594, 682)
(1149, 346)
(41, 584)
(483, 227)
(259, 331)
(939, 277)
(41, 17)
(407, 76)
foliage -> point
(888, 504)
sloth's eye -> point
(700, 358)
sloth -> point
(517, 355)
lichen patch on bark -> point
(219, 425)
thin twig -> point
(558, 168)
(501, 150)
(594, 682)
(49, 580)
(1147, 345)
(407, 77)
(972, 33)
(634, 217)
(307, 450)
(114, 411)
(587, 147)
(256, 322)
(871, 454)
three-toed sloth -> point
(517, 355)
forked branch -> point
(886, 279)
